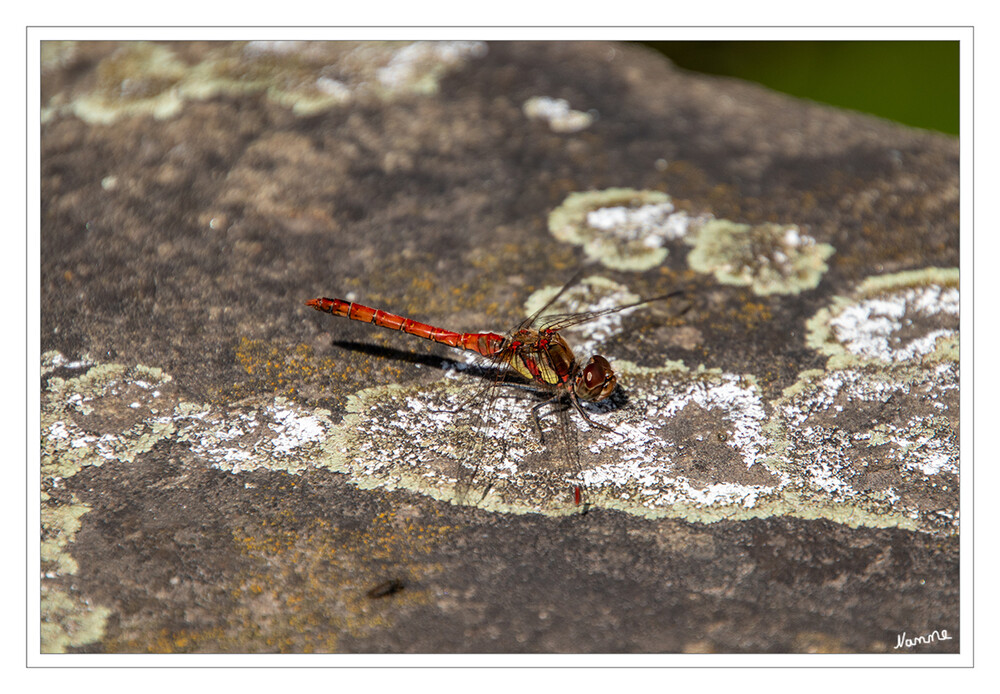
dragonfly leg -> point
(536, 418)
(583, 413)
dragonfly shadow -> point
(430, 360)
(487, 372)
(618, 399)
(511, 384)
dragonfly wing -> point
(567, 320)
(483, 425)
(567, 442)
(530, 320)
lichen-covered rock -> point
(224, 470)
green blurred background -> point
(912, 82)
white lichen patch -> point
(281, 436)
(142, 78)
(419, 66)
(622, 228)
(878, 442)
(113, 413)
(56, 360)
(684, 443)
(557, 113)
(430, 438)
(906, 317)
(769, 258)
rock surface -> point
(226, 470)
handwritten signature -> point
(903, 642)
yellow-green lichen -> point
(137, 79)
(904, 317)
(141, 78)
(60, 523)
(769, 258)
(412, 437)
(621, 228)
(68, 621)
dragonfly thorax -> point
(541, 356)
(546, 358)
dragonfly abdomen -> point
(486, 344)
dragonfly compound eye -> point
(597, 380)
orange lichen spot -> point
(168, 641)
(282, 369)
(751, 314)
(423, 284)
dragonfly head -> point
(596, 380)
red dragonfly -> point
(541, 356)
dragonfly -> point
(537, 354)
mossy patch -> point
(142, 78)
(768, 258)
